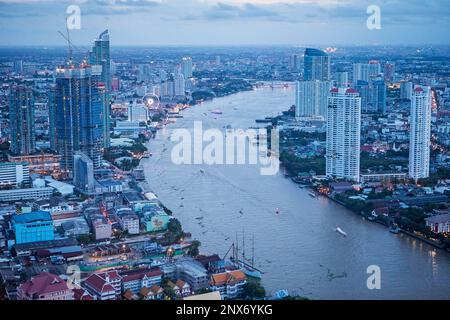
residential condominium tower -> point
(343, 134)
(316, 65)
(21, 120)
(312, 98)
(186, 67)
(420, 133)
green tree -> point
(193, 250)
(169, 293)
(254, 290)
(175, 227)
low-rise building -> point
(104, 286)
(102, 229)
(188, 270)
(14, 173)
(155, 292)
(128, 220)
(230, 284)
(25, 194)
(180, 287)
(45, 286)
(439, 223)
(135, 280)
(33, 227)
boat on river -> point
(394, 229)
(239, 261)
(340, 231)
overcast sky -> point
(225, 22)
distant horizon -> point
(57, 46)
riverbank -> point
(302, 156)
(411, 234)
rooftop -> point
(32, 217)
(442, 218)
(43, 284)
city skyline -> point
(227, 22)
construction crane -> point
(71, 46)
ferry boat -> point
(312, 194)
(340, 231)
(216, 111)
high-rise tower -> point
(78, 116)
(21, 120)
(316, 65)
(420, 133)
(100, 55)
(343, 134)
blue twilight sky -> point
(225, 22)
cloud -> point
(188, 21)
(287, 11)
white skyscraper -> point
(419, 135)
(343, 134)
(366, 71)
(186, 67)
(180, 87)
(312, 98)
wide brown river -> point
(298, 249)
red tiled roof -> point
(351, 90)
(107, 288)
(180, 283)
(81, 294)
(153, 290)
(113, 275)
(230, 277)
(140, 274)
(334, 90)
(96, 282)
(418, 89)
(43, 284)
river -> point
(297, 249)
